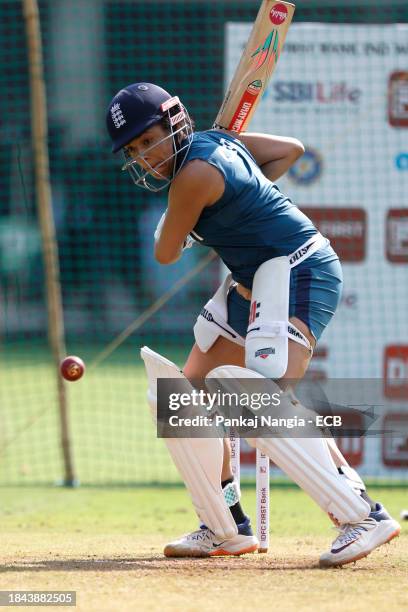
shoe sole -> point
(243, 551)
(176, 553)
(325, 564)
(173, 552)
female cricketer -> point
(222, 194)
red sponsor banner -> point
(248, 454)
(352, 449)
(320, 352)
(395, 440)
(345, 228)
(397, 235)
(395, 373)
(398, 99)
(317, 370)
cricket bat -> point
(256, 66)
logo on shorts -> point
(265, 352)
(300, 253)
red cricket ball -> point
(72, 368)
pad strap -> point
(281, 328)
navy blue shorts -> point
(315, 293)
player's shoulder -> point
(212, 138)
(205, 138)
(203, 147)
(199, 177)
(211, 145)
(201, 168)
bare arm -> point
(273, 154)
(198, 185)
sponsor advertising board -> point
(343, 91)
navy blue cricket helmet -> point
(134, 109)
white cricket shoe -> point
(357, 540)
(203, 543)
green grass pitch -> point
(106, 543)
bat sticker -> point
(271, 43)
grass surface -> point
(106, 544)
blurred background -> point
(341, 86)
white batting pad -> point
(307, 461)
(198, 460)
(266, 344)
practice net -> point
(341, 87)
